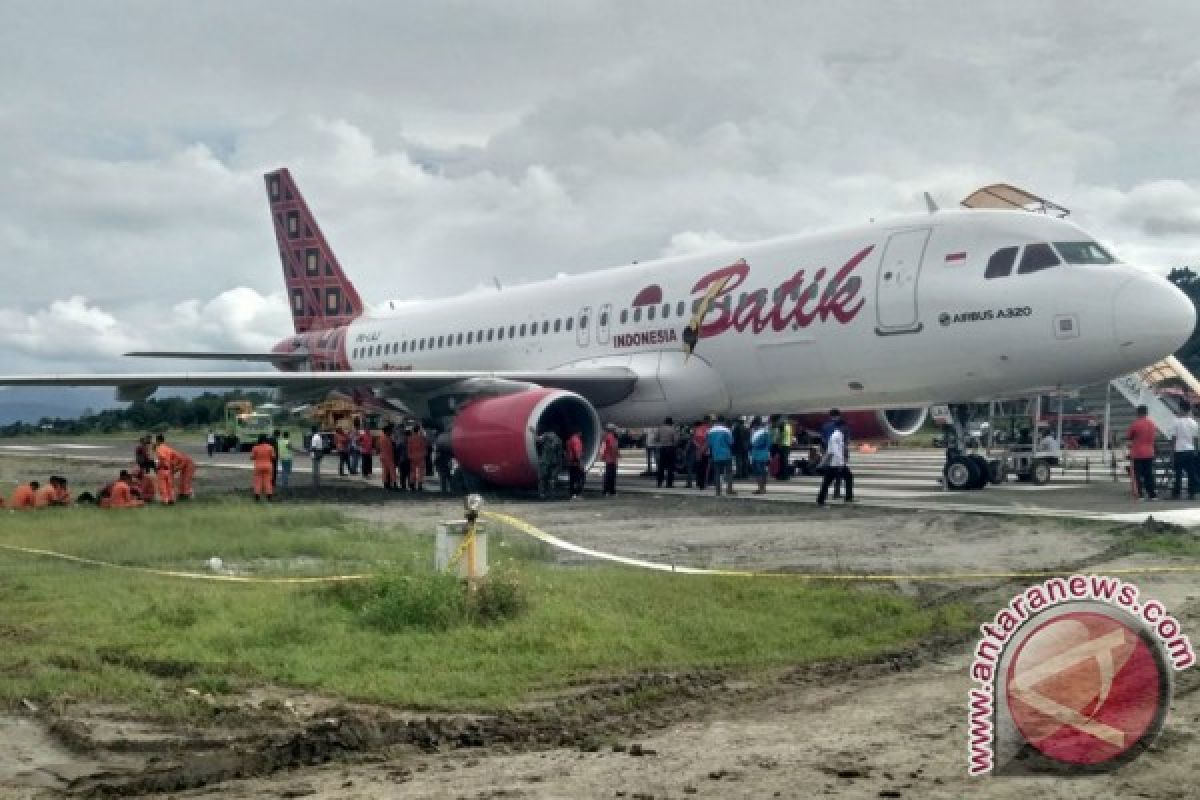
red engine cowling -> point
(491, 436)
(893, 423)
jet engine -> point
(492, 437)
(894, 423)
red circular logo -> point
(1085, 688)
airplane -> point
(949, 306)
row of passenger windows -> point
(517, 331)
(470, 337)
(1040, 256)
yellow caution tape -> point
(554, 541)
(168, 573)
(462, 548)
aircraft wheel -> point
(960, 473)
(1040, 473)
(983, 471)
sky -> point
(445, 144)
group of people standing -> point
(407, 453)
(713, 451)
(1142, 436)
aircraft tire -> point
(983, 471)
(1039, 473)
(961, 473)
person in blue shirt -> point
(720, 450)
(760, 453)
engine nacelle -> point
(894, 423)
(491, 436)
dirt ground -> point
(891, 728)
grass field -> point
(100, 633)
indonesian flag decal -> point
(955, 259)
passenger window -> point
(603, 318)
(512, 331)
(557, 325)
(422, 344)
(624, 315)
(479, 336)
(459, 342)
(1001, 263)
(651, 311)
(680, 307)
(1037, 257)
(441, 341)
(570, 323)
(470, 337)
(583, 321)
(490, 333)
(533, 329)
(695, 305)
(666, 310)
(523, 326)
(546, 326)
(637, 315)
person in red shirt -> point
(1141, 435)
(574, 453)
(700, 444)
(341, 446)
(366, 449)
(610, 453)
(263, 456)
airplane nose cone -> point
(1151, 317)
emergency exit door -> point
(896, 287)
(581, 326)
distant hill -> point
(30, 405)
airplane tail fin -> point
(320, 294)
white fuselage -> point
(892, 314)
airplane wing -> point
(602, 386)
(265, 357)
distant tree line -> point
(154, 414)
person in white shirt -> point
(1049, 443)
(1183, 436)
(835, 452)
(316, 449)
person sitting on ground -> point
(25, 497)
(122, 493)
(145, 485)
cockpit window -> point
(1083, 253)
(1001, 263)
(1037, 257)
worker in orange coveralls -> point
(184, 468)
(387, 456)
(263, 456)
(62, 495)
(25, 496)
(166, 456)
(144, 481)
(418, 447)
(121, 495)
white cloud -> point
(443, 144)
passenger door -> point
(896, 287)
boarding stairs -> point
(1144, 388)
